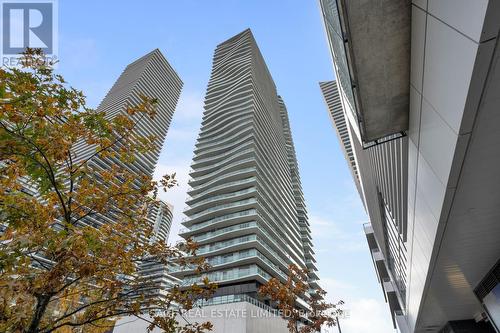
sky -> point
(97, 39)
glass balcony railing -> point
(227, 299)
(225, 244)
(241, 171)
(218, 187)
(215, 144)
(203, 142)
(247, 225)
(230, 274)
(236, 164)
(234, 152)
(225, 230)
(228, 142)
(236, 256)
(219, 207)
(264, 220)
(221, 196)
(238, 241)
(218, 219)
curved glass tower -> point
(246, 207)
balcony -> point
(236, 299)
(236, 217)
(391, 297)
(370, 44)
(239, 273)
(228, 208)
(211, 199)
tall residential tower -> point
(153, 77)
(246, 207)
(334, 105)
(150, 76)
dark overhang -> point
(370, 42)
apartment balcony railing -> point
(217, 219)
(220, 207)
(218, 187)
(227, 299)
(219, 197)
(232, 274)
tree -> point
(72, 233)
(318, 313)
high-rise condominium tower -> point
(334, 105)
(246, 207)
(153, 77)
(160, 216)
(418, 83)
(154, 273)
(150, 76)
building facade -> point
(151, 76)
(245, 207)
(417, 85)
(160, 216)
(156, 274)
(336, 112)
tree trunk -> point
(41, 306)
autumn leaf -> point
(285, 297)
(73, 231)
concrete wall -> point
(239, 317)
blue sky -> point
(97, 39)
